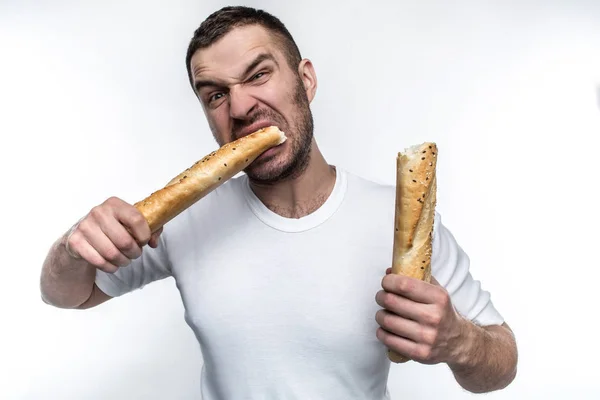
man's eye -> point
(257, 76)
(215, 97)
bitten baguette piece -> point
(416, 187)
(206, 175)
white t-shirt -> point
(285, 308)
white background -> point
(94, 102)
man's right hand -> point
(110, 235)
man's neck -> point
(301, 195)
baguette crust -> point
(206, 175)
(416, 186)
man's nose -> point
(240, 103)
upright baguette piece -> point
(416, 186)
(206, 175)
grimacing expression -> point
(245, 83)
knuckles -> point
(112, 254)
(432, 318)
(423, 353)
(444, 299)
(386, 300)
(429, 336)
(126, 244)
(398, 283)
(73, 240)
(113, 201)
(85, 227)
(403, 285)
(98, 213)
(138, 219)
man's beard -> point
(299, 134)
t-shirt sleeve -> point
(450, 267)
(151, 266)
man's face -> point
(245, 83)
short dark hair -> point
(224, 20)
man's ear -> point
(307, 74)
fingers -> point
(110, 236)
(114, 237)
(411, 288)
(397, 343)
(155, 238)
(403, 346)
(131, 218)
(98, 240)
(397, 325)
(412, 317)
(399, 305)
(87, 252)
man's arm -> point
(487, 359)
(107, 238)
(419, 321)
(68, 282)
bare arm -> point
(419, 321)
(107, 238)
(487, 360)
(67, 282)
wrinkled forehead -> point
(228, 56)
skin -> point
(108, 237)
(293, 179)
(244, 82)
(418, 320)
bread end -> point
(415, 152)
(282, 137)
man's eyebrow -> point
(259, 59)
(199, 84)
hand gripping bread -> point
(414, 215)
(206, 175)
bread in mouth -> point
(205, 175)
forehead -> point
(233, 51)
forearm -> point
(65, 282)
(487, 361)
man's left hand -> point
(418, 320)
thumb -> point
(153, 242)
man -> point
(282, 271)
